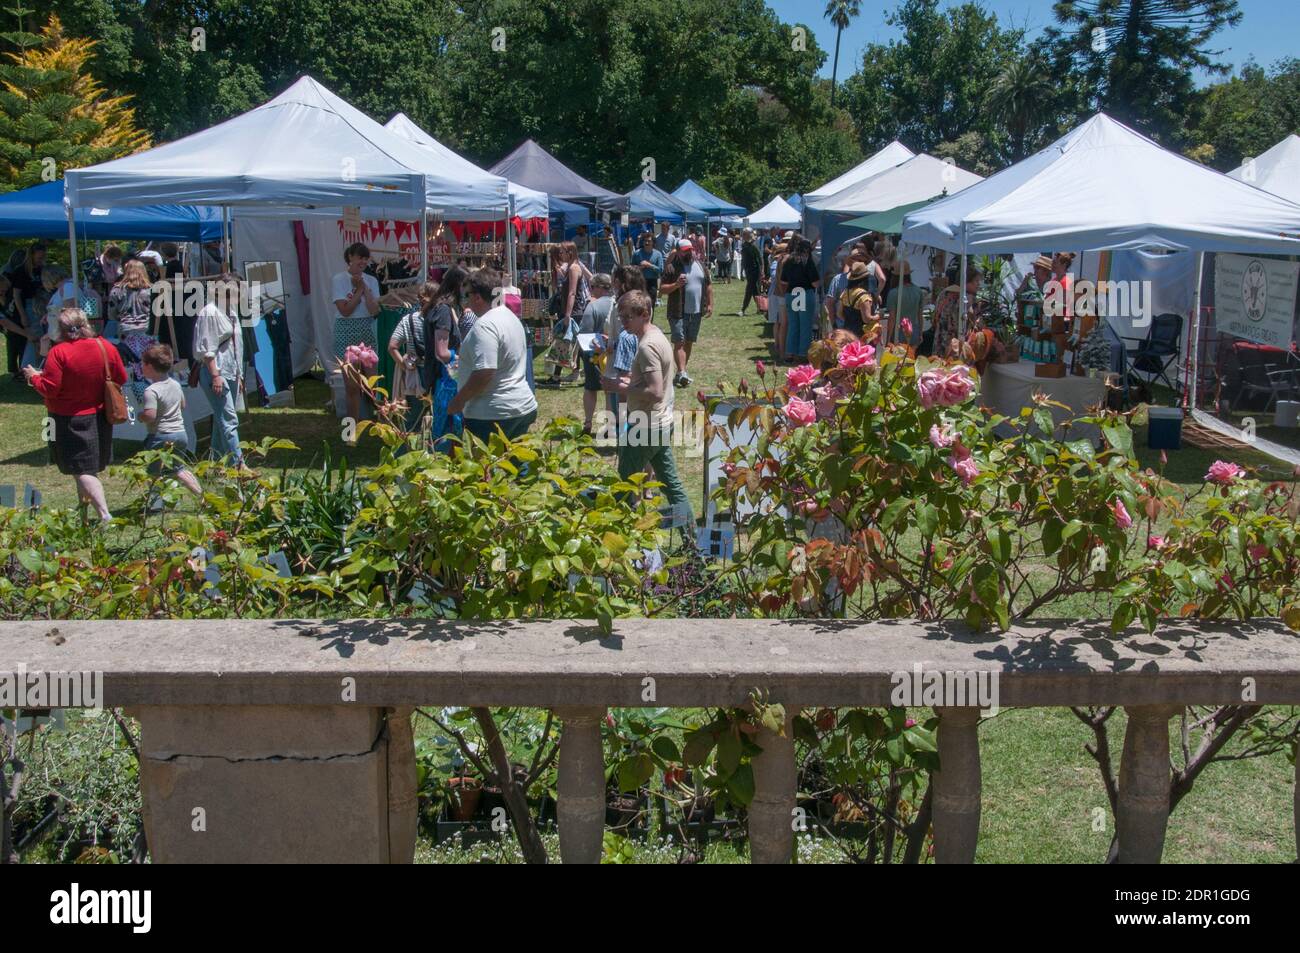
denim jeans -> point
(225, 420)
(799, 324)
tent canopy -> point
(796, 202)
(38, 212)
(305, 147)
(917, 179)
(648, 199)
(777, 212)
(696, 195)
(533, 166)
(888, 157)
(529, 203)
(1276, 171)
(888, 222)
(1104, 186)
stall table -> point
(1007, 388)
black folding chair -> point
(1156, 354)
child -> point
(161, 412)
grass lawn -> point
(1041, 789)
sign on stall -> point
(1255, 298)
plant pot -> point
(464, 800)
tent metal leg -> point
(1195, 345)
(72, 253)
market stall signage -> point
(1255, 298)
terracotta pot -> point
(465, 795)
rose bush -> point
(883, 489)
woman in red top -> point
(72, 384)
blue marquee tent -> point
(694, 194)
(38, 212)
(648, 200)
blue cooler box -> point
(1165, 428)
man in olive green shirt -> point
(649, 433)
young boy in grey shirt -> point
(163, 413)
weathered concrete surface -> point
(694, 662)
(1142, 811)
(217, 790)
(957, 786)
(580, 786)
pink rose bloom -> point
(1122, 519)
(806, 507)
(910, 722)
(906, 327)
(1223, 473)
(801, 376)
(1155, 542)
(800, 412)
(967, 470)
(855, 354)
(945, 388)
(962, 463)
(941, 438)
(760, 367)
(827, 398)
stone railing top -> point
(693, 662)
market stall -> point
(304, 155)
(1103, 187)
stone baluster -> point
(956, 801)
(771, 813)
(1143, 810)
(580, 804)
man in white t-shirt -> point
(492, 380)
(356, 303)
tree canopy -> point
(723, 91)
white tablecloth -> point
(1006, 388)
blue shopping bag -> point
(444, 427)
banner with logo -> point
(1255, 298)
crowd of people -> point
(66, 340)
(464, 352)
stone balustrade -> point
(285, 740)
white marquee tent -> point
(529, 203)
(1104, 186)
(778, 213)
(1276, 170)
(306, 147)
(305, 155)
(916, 179)
(888, 157)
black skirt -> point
(83, 445)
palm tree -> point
(1021, 96)
(840, 12)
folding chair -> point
(1155, 354)
(1273, 381)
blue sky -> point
(1268, 31)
